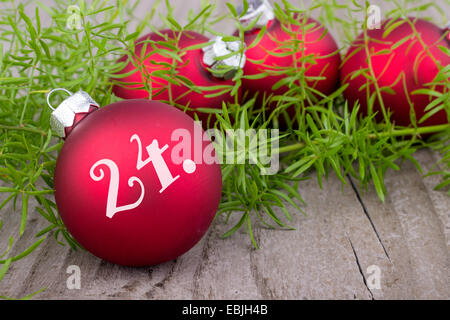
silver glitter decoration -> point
(64, 115)
(257, 8)
(221, 48)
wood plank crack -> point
(359, 268)
(366, 212)
(168, 276)
(260, 281)
(198, 271)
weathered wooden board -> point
(326, 257)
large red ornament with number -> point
(195, 81)
(134, 184)
(274, 55)
(402, 65)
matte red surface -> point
(166, 224)
(404, 69)
(191, 67)
(263, 57)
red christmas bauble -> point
(401, 64)
(271, 55)
(191, 67)
(128, 191)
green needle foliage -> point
(326, 134)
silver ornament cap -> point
(64, 115)
(219, 49)
(257, 9)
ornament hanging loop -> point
(64, 115)
(53, 90)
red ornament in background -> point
(403, 69)
(264, 57)
(194, 66)
(121, 188)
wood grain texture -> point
(345, 231)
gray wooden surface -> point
(326, 257)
